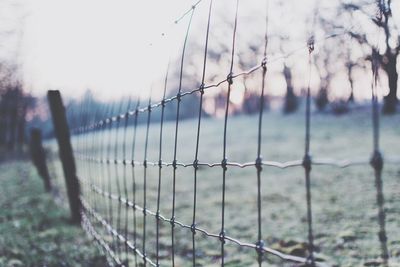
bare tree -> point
(325, 74)
(388, 55)
(291, 102)
(14, 102)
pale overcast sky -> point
(116, 47)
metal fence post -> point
(39, 157)
(66, 154)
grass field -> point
(34, 231)
(343, 200)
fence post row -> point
(39, 157)
(61, 130)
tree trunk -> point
(350, 77)
(321, 100)
(21, 129)
(291, 103)
(390, 101)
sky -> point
(121, 47)
(106, 46)
(116, 47)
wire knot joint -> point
(193, 228)
(229, 78)
(258, 163)
(310, 44)
(201, 88)
(196, 164)
(221, 236)
(264, 63)
(307, 162)
(259, 246)
(224, 164)
(174, 164)
(377, 160)
(158, 215)
(172, 221)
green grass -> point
(34, 230)
(343, 200)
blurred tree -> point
(14, 102)
(325, 74)
(388, 55)
(291, 102)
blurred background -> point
(111, 57)
(107, 51)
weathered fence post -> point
(39, 157)
(66, 154)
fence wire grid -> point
(127, 216)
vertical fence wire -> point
(258, 165)
(224, 157)
(103, 184)
(103, 168)
(125, 166)
(196, 156)
(135, 122)
(116, 176)
(109, 176)
(377, 160)
(160, 168)
(174, 165)
(146, 143)
(307, 157)
(92, 165)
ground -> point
(34, 230)
(343, 199)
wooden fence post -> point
(39, 157)
(61, 131)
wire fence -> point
(129, 192)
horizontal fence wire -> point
(115, 190)
(343, 163)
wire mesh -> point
(136, 223)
